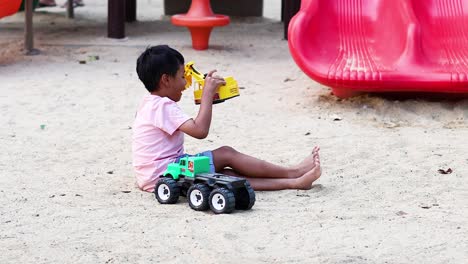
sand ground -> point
(67, 186)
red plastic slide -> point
(358, 46)
(9, 7)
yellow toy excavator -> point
(224, 92)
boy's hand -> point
(211, 84)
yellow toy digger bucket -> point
(227, 91)
(224, 92)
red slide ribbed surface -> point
(383, 45)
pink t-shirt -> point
(156, 138)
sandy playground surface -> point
(67, 186)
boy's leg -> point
(272, 184)
(252, 167)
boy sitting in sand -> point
(160, 125)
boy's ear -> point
(164, 79)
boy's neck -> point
(157, 93)
(162, 91)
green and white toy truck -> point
(190, 177)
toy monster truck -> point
(191, 178)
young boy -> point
(160, 125)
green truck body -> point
(188, 167)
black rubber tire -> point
(198, 196)
(167, 191)
(245, 198)
(222, 201)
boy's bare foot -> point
(305, 181)
(307, 164)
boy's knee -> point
(223, 157)
(226, 150)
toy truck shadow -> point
(191, 178)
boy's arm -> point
(200, 126)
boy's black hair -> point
(156, 61)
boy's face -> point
(177, 84)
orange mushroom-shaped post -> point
(200, 20)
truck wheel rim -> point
(196, 197)
(164, 192)
(218, 202)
